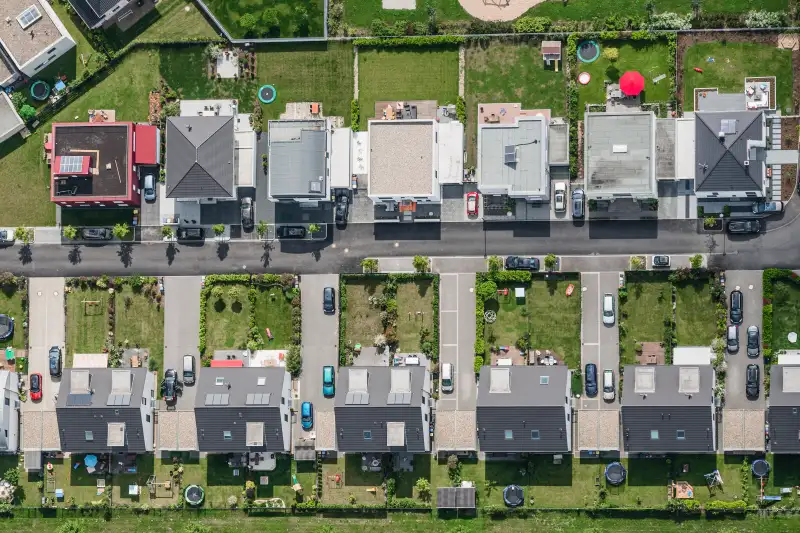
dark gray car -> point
(753, 381)
(578, 198)
(744, 226)
(753, 342)
(247, 213)
(96, 234)
(736, 306)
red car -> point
(36, 387)
(472, 203)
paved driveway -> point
(320, 344)
(457, 330)
(749, 282)
(182, 329)
(600, 342)
(46, 330)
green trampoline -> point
(267, 94)
(40, 91)
(588, 51)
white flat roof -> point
(340, 157)
(684, 148)
(692, 355)
(451, 152)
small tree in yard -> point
(218, 229)
(234, 293)
(261, 229)
(423, 487)
(248, 22)
(27, 112)
(121, 230)
(487, 290)
(369, 266)
(495, 263)
(217, 292)
(421, 263)
(70, 232)
(696, 261)
(294, 361)
(167, 232)
(550, 261)
(611, 54)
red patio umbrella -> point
(631, 83)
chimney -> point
(721, 136)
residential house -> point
(106, 13)
(383, 409)
(524, 409)
(299, 160)
(668, 409)
(243, 410)
(9, 412)
(31, 38)
(10, 121)
(783, 412)
(104, 410)
(96, 164)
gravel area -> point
(401, 158)
(176, 430)
(598, 430)
(455, 430)
(743, 430)
(325, 429)
(40, 431)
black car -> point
(753, 344)
(170, 387)
(6, 327)
(96, 234)
(329, 300)
(342, 207)
(661, 261)
(291, 232)
(590, 379)
(55, 361)
(744, 226)
(737, 313)
(191, 234)
(247, 213)
(753, 384)
(514, 262)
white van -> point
(188, 370)
(446, 378)
(608, 385)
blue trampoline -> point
(513, 496)
(615, 473)
(760, 468)
(267, 94)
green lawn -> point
(139, 319)
(695, 314)
(220, 482)
(552, 319)
(589, 9)
(732, 63)
(11, 305)
(785, 314)
(87, 321)
(297, 19)
(363, 320)
(227, 320)
(120, 492)
(641, 316)
(274, 311)
(413, 298)
(651, 59)
(360, 484)
(405, 74)
(500, 71)
(361, 13)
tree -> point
(369, 266)
(478, 364)
(313, 228)
(18, 99)
(271, 18)
(248, 22)
(709, 222)
(637, 263)
(234, 293)
(167, 232)
(261, 229)
(423, 487)
(550, 261)
(121, 230)
(24, 234)
(27, 112)
(650, 8)
(294, 361)
(696, 261)
(218, 229)
(487, 290)
(726, 211)
(217, 292)
(495, 263)
(610, 54)
(70, 232)
(213, 51)
(421, 263)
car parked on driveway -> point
(248, 216)
(736, 307)
(170, 388)
(149, 188)
(578, 197)
(307, 415)
(744, 226)
(341, 209)
(291, 232)
(753, 342)
(609, 389)
(753, 383)
(54, 359)
(96, 234)
(609, 314)
(6, 327)
(515, 262)
(733, 339)
(328, 382)
(661, 261)
(329, 300)
(36, 387)
(768, 207)
(7, 237)
(472, 203)
(560, 197)
(590, 380)
(191, 234)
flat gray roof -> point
(9, 119)
(715, 101)
(298, 151)
(522, 171)
(26, 43)
(619, 154)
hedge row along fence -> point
(344, 279)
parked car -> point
(7, 237)
(307, 415)
(753, 342)
(170, 388)
(189, 372)
(54, 357)
(328, 382)
(733, 339)
(744, 226)
(6, 327)
(96, 234)
(248, 217)
(36, 387)
(342, 207)
(472, 203)
(412, 360)
(149, 188)
(768, 207)
(590, 380)
(661, 261)
(609, 314)
(753, 383)
(446, 378)
(737, 311)
(515, 262)
(578, 198)
(560, 197)
(609, 390)
(329, 300)
(191, 234)
(291, 232)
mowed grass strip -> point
(642, 315)
(87, 322)
(695, 314)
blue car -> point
(328, 388)
(307, 416)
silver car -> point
(577, 203)
(149, 188)
(609, 315)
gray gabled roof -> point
(668, 409)
(240, 387)
(298, 159)
(720, 160)
(200, 159)
(784, 409)
(535, 386)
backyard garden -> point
(645, 313)
(14, 304)
(270, 18)
(781, 309)
(346, 482)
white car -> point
(608, 309)
(560, 197)
(412, 360)
(7, 236)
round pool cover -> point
(615, 473)
(513, 496)
(194, 495)
(267, 94)
(760, 468)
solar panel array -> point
(257, 399)
(357, 398)
(119, 399)
(399, 398)
(70, 164)
(217, 399)
(79, 399)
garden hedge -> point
(420, 41)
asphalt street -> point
(182, 331)
(343, 251)
(600, 342)
(750, 283)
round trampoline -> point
(513, 496)
(760, 468)
(40, 90)
(588, 51)
(194, 495)
(615, 473)
(267, 94)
